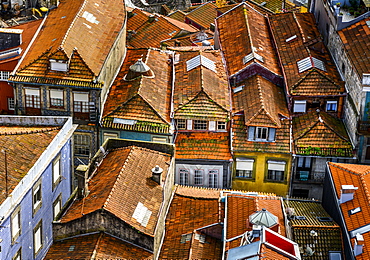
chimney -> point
(151, 18)
(156, 174)
(81, 180)
(347, 193)
(359, 244)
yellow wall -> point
(258, 183)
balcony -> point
(306, 177)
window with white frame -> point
(36, 196)
(299, 106)
(213, 178)
(56, 98)
(262, 133)
(4, 75)
(275, 170)
(184, 177)
(37, 238)
(198, 177)
(18, 255)
(331, 106)
(11, 103)
(221, 125)
(181, 124)
(57, 206)
(58, 65)
(200, 125)
(107, 135)
(57, 176)
(244, 167)
(32, 96)
(82, 144)
(80, 102)
(16, 224)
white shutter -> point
(56, 171)
(272, 132)
(82, 97)
(244, 164)
(38, 237)
(276, 165)
(299, 106)
(190, 124)
(56, 93)
(15, 224)
(212, 125)
(251, 130)
(57, 208)
(32, 91)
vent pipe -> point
(347, 193)
(359, 244)
(156, 174)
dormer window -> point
(58, 65)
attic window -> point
(200, 237)
(142, 214)
(354, 211)
(200, 60)
(58, 65)
(251, 56)
(310, 62)
(291, 38)
(185, 238)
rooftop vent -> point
(263, 218)
(290, 213)
(238, 89)
(139, 69)
(359, 244)
(313, 233)
(200, 60)
(251, 56)
(347, 193)
(156, 174)
(354, 211)
(310, 62)
(291, 38)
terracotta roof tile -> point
(201, 92)
(305, 44)
(190, 40)
(186, 214)
(177, 15)
(261, 101)
(356, 40)
(69, 26)
(356, 175)
(136, 18)
(241, 31)
(98, 245)
(145, 99)
(136, 187)
(24, 146)
(270, 254)
(240, 137)
(321, 134)
(203, 145)
(204, 15)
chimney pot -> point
(156, 174)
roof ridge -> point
(73, 22)
(96, 247)
(302, 33)
(331, 128)
(245, 12)
(314, 123)
(311, 71)
(25, 132)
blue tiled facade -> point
(29, 219)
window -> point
(184, 177)
(221, 125)
(200, 125)
(331, 106)
(198, 177)
(82, 144)
(57, 206)
(56, 172)
(275, 170)
(159, 139)
(56, 98)
(37, 238)
(16, 224)
(261, 134)
(181, 124)
(109, 135)
(81, 102)
(11, 104)
(303, 168)
(4, 75)
(37, 196)
(244, 167)
(18, 255)
(58, 65)
(299, 106)
(213, 178)
(32, 98)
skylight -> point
(200, 60)
(354, 211)
(310, 62)
(142, 214)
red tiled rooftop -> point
(23, 146)
(204, 15)
(136, 19)
(130, 169)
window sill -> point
(244, 178)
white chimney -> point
(347, 193)
(156, 174)
(359, 244)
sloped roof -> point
(75, 24)
(320, 134)
(297, 40)
(157, 29)
(23, 146)
(203, 145)
(136, 18)
(189, 40)
(201, 92)
(358, 176)
(145, 99)
(204, 15)
(191, 209)
(96, 245)
(177, 15)
(242, 31)
(241, 143)
(130, 169)
(356, 40)
(78, 75)
(261, 101)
